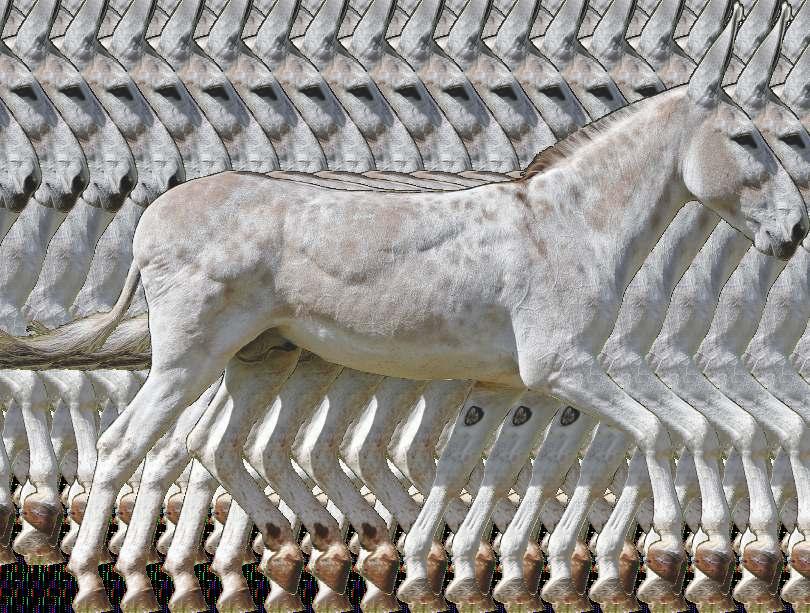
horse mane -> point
(568, 146)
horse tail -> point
(69, 342)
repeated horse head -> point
(439, 144)
(112, 168)
(539, 78)
(158, 161)
(707, 27)
(657, 44)
(495, 83)
(294, 141)
(20, 174)
(591, 83)
(485, 140)
(200, 147)
(341, 140)
(64, 169)
(248, 146)
(632, 74)
(391, 144)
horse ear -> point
(705, 83)
(514, 31)
(609, 34)
(465, 34)
(658, 34)
(755, 28)
(82, 32)
(796, 92)
(320, 39)
(417, 35)
(35, 30)
(706, 27)
(752, 87)
(129, 35)
(226, 33)
(797, 34)
(178, 32)
(273, 36)
(561, 34)
(369, 35)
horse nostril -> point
(79, 184)
(798, 232)
(175, 180)
(30, 184)
(127, 183)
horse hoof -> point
(191, 601)
(533, 561)
(284, 566)
(484, 566)
(281, 601)
(762, 563)
(42, 515)
(44, 557)
(562, 593)
(416, 592)
(332, 567)
(657, 592)
(125, 507)
(93, 601)
(752, 592)
(77, 507)
(142, 601)
(237, 601)
(610, 595)
(629, 564)
(512, 591)
(381, 566)
(436, 567)
(668, 565)
(485, 604)
(329, 601)
(797, 592)
(464, 590)
(376, 601)
(717, 565)
(7, 556)
(709, 595)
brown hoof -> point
(221, 508)
(93, 601)
(629, 564)
(716, 565)
(173, 506)
(376, 601)
(753, 593)
(464, 590)
(328, 601)
(238, 601)
(191, 601)
(487, 604)
(764, 564)
(281, 601)
(709, 595)
(561, 592)
(484, 566)
(581, 567)
(77, 507)
(611, 596)
(142, 601)
(797, 592)
(46, 557)
(333, 566)
(436, 567)
(414, 592)
(7, 556)
(668, 565)
(45, 517)
(533, 561)
(381, 567)
(124, 510)
(512, 592)
(284, 566)
(658, 593)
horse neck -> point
(66, 263)
(742, 299)
(616, 192)
(647, 298)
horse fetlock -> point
(284, 566)
(78, 506)
(380, 567)
(332, 566)
(765, 563)
(484, 566)
(44, 515)
(533, 561)
(436, 566)
(629, 564)
(668, 565)
(717, 565)
(800, 558)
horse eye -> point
(24, 91)
(505, 91)
(553, 91)
(601, 91)
(361, 91)
(313, 91)
(73, 91)
(647, 90)
(794, 140)
(217, 91)
(457, 91)
(121, 91)
(746, 141)
(265, 91)
(410, 92)
(169, 91)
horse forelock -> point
(567, 148)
